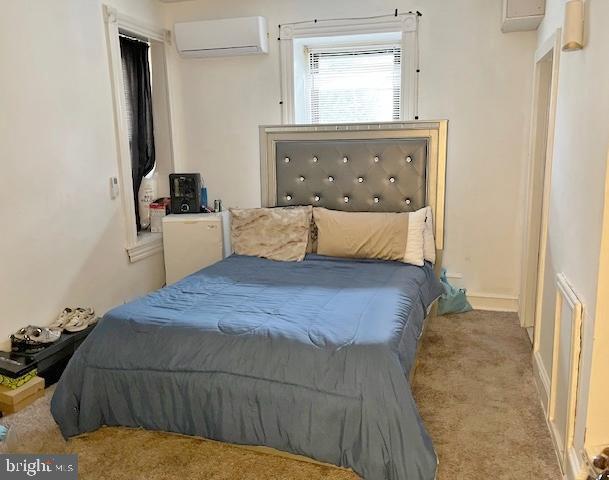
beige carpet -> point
(473, 384)
(475, 391)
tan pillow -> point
(275, 233)
(384, 236)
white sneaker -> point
(63, 319)
(82, 318)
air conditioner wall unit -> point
(224, 37)
(522, 15)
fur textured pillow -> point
(275, 233)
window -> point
(353, 83)
(349, 70)
(140, 88)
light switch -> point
(114, 189)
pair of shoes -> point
(32, 338)
(35, 334)
(74, 319)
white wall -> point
(578, 182)
(471, 73)
(63, 239)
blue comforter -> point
(309, 357)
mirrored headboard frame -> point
(433, 132)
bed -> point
(309, 357)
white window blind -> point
(128, 100)
(353, 83)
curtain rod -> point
(394, 14)
(131, 37)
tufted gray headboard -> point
(386, 175)
(381, 167)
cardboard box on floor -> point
(12, 401)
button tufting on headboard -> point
(359, 175)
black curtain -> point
(138, 96)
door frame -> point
(596, 431)
(551, 47)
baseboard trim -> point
(542, 380)
(493, 302)
(574, 468)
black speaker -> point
(185, 191)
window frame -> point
(291, 36)
(144, 244)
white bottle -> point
(148, 193)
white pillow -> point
(429, 243)
(415, 245)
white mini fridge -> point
(192, 242)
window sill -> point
(147, 245)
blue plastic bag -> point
(453, 300)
